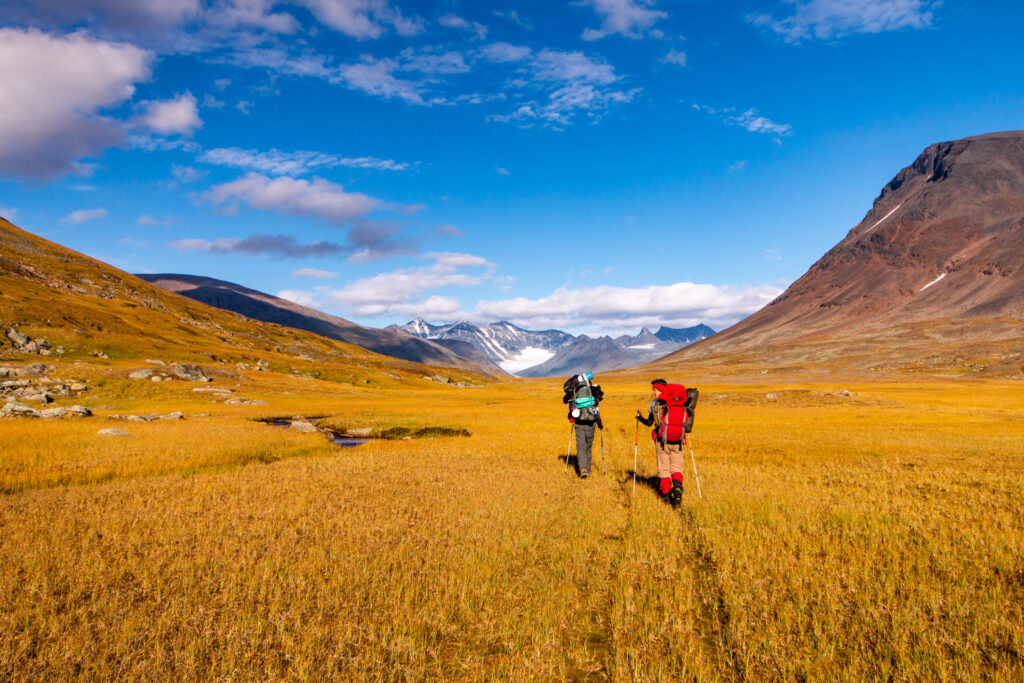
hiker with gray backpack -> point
(583, 395)
(671, 413)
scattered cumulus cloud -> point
(186, 174)
(83, 215)
(800, 20)
(750, 120)
(457, 22)
(513, 16)
(62, 85)
(676, 57)
(738, 166)
(8, 212)
(318, 198)
(602, 308)
(362, 19)
(282, 246)
(444, 230)
(276, 162)
(629, 18)
(502, 171)
(314, 273)
(243, 106)
(146, 220)
(178, 116)
(301, 298)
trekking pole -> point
(694, 461)
(636, 443)
(604, 470)
(567, 449)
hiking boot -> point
(675, 496)
(584, 474)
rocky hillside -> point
(60, 303)
(932, 277)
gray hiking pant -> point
(584, 444)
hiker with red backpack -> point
(583, 395)
(671, 414)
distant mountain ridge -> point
(261, 306)
(531, 353)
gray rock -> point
(304, 427)
(177, 415)
(17, 338)
(153, 361)
(771, 397)
(33, 370)
(193, 373)
(141, 374)
(79, 411)
(157, 378)
(78, 386)
(112, 432)
(15, 409)
(52, 413)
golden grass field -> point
(871, 536)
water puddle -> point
(343, 440)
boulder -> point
(177, 415)
(140, 374)
(190, 372)
(78, 386)
(32, 370)
(112, 432)
(79, 411)
(15, 409)
(53, 413)
(153, 361)
(17, 338)
(157, 378)
(304, 427)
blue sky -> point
(595, 165)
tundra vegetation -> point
(848, 530)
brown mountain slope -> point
(89, 307)
(932, 277)
(261, 306)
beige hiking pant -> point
(670, 458)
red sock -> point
(666, 485)
(678, 476)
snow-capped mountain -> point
(530, 353)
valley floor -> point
(869, 533)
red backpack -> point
(670, 414)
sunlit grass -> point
(873, 535)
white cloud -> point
(301, 298)
(212, 102)
(177, 116)
(502, 171)
(83, 215)
(277, 162)
(674, 56)
(448, 231)
(8, 212)
(453, 21)
(60, 85)
(230, 14)
(243, 106)
(749, 120)
(148, 220)
(513, 16)
(407, 291)
(318, 199)
(376, 77)
(314, 273)
(575, 84)
(122, 15)
(603, 308)
(629, 18)
(186, 174)
(827, 19)
(362, 19)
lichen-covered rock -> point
(190, 372)
(15, 409)
(304, 427)
(112, 432)
(141, 374)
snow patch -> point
(526, 358)
(646, 347)
(931, 283)
(883, 218)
